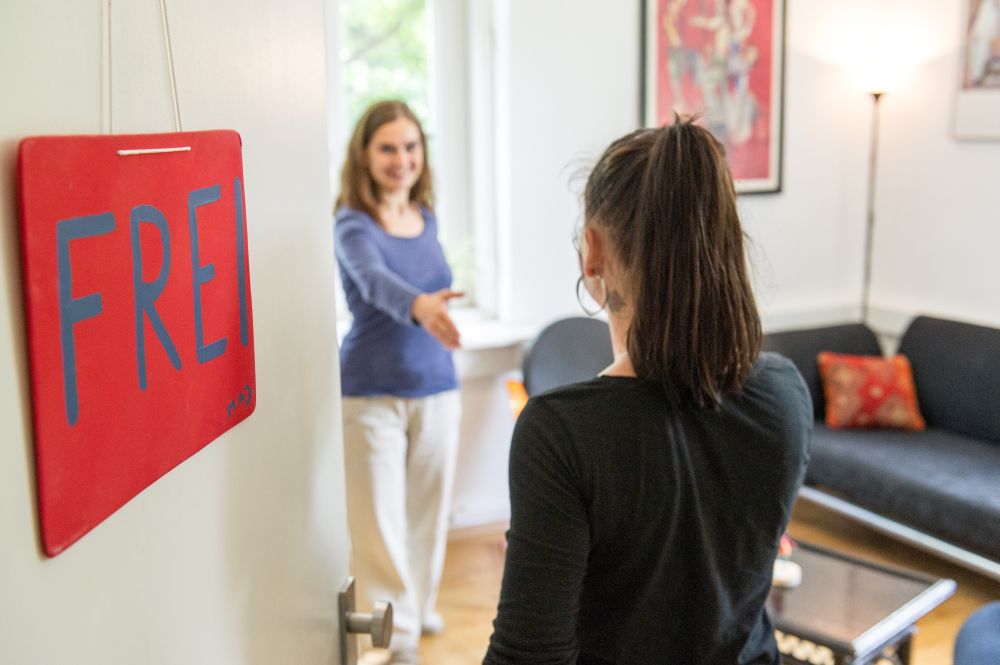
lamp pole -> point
(870, 225)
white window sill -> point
(480, 333)
(490, 348)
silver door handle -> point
(378, 624)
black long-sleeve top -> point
(643, 533)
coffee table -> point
(851, 612)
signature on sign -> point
(244, 398)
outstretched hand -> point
(430, 310)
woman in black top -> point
(647, 503)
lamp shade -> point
(877, 76)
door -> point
(237, 555)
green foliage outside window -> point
(384, 55)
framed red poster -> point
(977, 99)
(139, 320)
(722, 60)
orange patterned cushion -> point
(869, 391)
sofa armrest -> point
(956, 367)
(802, 346)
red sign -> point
(140, 329)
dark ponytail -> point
(667, 201)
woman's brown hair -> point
(667, 201)
(357, 188)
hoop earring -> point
(604, 302)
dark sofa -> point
(938, 489)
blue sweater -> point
(386, 352)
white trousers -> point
(400, 465)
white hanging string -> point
(170, 65)
(173, 85)
(107, 117)
(107, 73)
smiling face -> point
(395, 156)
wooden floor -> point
(474, 566)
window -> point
(427, 52)
(384, 53)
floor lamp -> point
(870, 223)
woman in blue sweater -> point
(401, 407)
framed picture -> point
(722, 60)
(977, 101)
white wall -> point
(574, 87)
(566, 76)
(573, 77)
(234, 556)
(937, 212)
(481, 495)
(806, 240)
(936, 217)
(572, 70)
